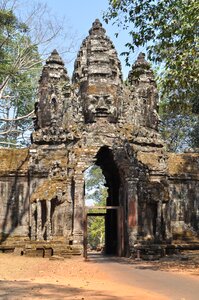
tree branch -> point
(9, 131)
(17, 119)
(3, 85)
(8, 143)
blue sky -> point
(79, 15)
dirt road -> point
(98, 279)
(179, 285)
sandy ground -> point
(41, 278)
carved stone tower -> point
(111, 125)
(144, 93)
(54, 92)
(98, 76)
(97, 119)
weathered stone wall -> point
(50, 200)
(184, 209)
(184, 194)
(14, 194)
(97, 119)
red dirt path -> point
(40, 278)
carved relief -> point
(99, 105)
(97, 119)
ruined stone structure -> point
(97, 119)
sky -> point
(79, 16)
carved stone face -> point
(98, 105)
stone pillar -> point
(48, 220)
(167, 221)
(158, 234)
(39, 222)
(78, 210)
(132, 198)
(33, 232)
(69, 211)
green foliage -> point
(20, 65)
(176, 128)
(96, 233)
(94, 186)
(97, 192)
(194, 135)
(169, 30)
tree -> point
(194, 135)
(95, 190)
(19, 69)
(176, 128)
(96, 233)
(97, 193)
(24, 44)
(169, 31)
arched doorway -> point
(111, 209)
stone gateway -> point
(97, 119)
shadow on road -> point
(15, 290)
(170, 263)
(101, 258)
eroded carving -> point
(97, 119)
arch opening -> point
(106, 194)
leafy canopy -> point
(170, 32)
(20, 65)
(96, 192)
